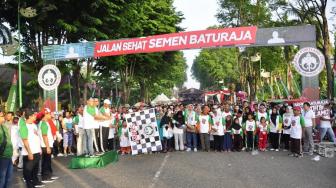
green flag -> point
(11, 101)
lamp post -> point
(28, 12)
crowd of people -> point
(30, 139)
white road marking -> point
(157, 174)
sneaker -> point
(60, 155)
(47, 181)
(188, 149)
(311, 153)
(87, 155)
(195, 149)
(54, 177)
(39, 184)
(284, 150)
(65, 155)
(276, 149)
(71, 154)
(272, 149)
(91, 156)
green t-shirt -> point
(91, 110)
(44, 128)
(76, 120)
(9, 147)
(23, 130)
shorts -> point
(67, 139)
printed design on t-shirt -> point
(203, 120)
(293, 123)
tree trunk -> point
(327, 54)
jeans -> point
(81, 148)
(205, 141)
(324, 131)
(6, 171)
(30, 170)
(46, 165)
(191, 140)
(88, 141)
(179, 145)
(308, 142)
(227, 141)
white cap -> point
(106, 101)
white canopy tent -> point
(160, 99)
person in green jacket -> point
(6, 152)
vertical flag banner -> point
(143, 131)
(11, 100)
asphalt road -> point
(199, 170)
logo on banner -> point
(309, 62)
(49, 77)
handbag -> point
(3, 142)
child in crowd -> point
(125, 145)
(68, 127)
(297, 126)
(263, 131)
(167, 132)
(205, 124)
(218, 130)
(227, 135)
(250, 128)
(286, 126)
(237, 133)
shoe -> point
(284, 150)
(272, 149)
(60, 155)
(188, 149)
(311, 153)
(276, 149)
(39, 185)
(47, 181)
(65, 155)
(71, 154)
(86, 155)
(42, 185)
(54, 177)
(92, 156)
(52, 156)
(195, 149)
(291, 155)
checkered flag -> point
(143, 131)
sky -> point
(198, 15)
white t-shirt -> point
(219, 125)
(224, 114)
(326, 115)
(33, 140)
(287, 120)
(250, 125)
(80, 121)
(204, 121)
(106, 123)
(296, 127)
(15, 137)
(308, 117)
(89, 121)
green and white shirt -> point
(296, 127)
(31, 133)
(250, 125)
(45, 130)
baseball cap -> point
(106, 101)
(298, 108)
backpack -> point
(3, 142)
